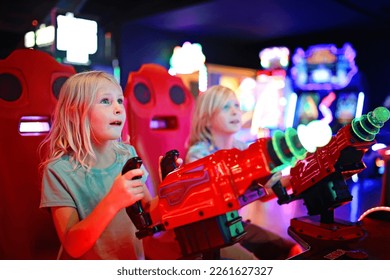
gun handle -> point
(138, 216)
(168, 162)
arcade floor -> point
(272, 216)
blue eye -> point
(229, 105)
(105, 101)
(226, 107)
(120, 101)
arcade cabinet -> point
(273, 92)
(320, 181)
(30, 82)
(159, 111)
(328, 85)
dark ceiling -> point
(244, 20)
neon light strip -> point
(327, 113)
(292, 104)
(34, 125)
(378, 146)
(359, 105)
(374, 209)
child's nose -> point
(118, 109)
(234, 110)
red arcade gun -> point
(196, 200)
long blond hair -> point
(207, 105)
(71, 132)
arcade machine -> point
(196, 200)
(330, 89)
(159, 111)
(30, 81)
(325, 188)
(328, 85)
(272, 93)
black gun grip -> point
(132, 163)
(138, 216)
(168, 162)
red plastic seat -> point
(159, 110)
(30, 81)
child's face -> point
(107, 115)
(227, 120)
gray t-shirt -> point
(65, 186)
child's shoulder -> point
(200, 146)
(63, 163)
(198, 150)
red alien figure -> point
(159, 114)
(30, 81)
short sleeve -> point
(54, 192)
(197, 151)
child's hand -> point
(179, 162)
(125, 191)
(273, 180)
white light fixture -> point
(76, 36)
(29, 39)
(187, 59)
(34, 125)
(45, 35)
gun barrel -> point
(368, 126)
(321, 177)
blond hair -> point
(207, 105)
(71, 132)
